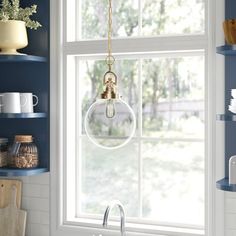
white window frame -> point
(214, 206)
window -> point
(160, 48)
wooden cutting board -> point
(12, 219)
(6, 190)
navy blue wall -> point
(31, 77)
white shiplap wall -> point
(35, 200)
(230, 214)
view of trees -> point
(172, 108)
(158, 17)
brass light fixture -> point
(110, 122)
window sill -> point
(94, 226)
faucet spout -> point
(122, 215)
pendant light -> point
(110, 122)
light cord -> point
(110, 59)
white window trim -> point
(215, 217)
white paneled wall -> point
(35, 200)
(230, 214)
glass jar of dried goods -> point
(3, 151)
(24, 152)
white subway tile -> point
(45, 231)
(38, 230)
(33, 217)
(39, 179)
(230, 232)
(31, 190)
(35, 230)
(44, 218)
(35, 190)
(230, 205)
(230, 195)
(230, 221)
(25, 179)
(36, 204)
(44, 191)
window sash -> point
(148, 46)
(134, 46)
(72, 10)
(76, 174)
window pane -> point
(108, 175)
(173, 182)
(172, 17)
(91, 82)
(89, 19)
(173, 97)
(95, 18)
(173, 107)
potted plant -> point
(13, 23)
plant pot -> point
(230, 31)
(13, 36)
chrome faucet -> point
(122, 215)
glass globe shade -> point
(110, 124)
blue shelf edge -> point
(227, 50)
(23, 115)
(22, 172)
(22, 58)
(226, 117)
(224, 185)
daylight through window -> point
(155, 175)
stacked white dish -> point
(232, 106)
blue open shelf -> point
(227, 50)
(21, 58)
(30, 72)
(23, 115)
(22, 172)
(226, 117)
(223, 184)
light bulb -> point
(110, 109)
(110, 123)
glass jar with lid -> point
(3, 151)
(24, 152)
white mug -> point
(233, 93)
(11, 102)
(233, 102)
(232, 170)
(28, 107)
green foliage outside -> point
(159, 17)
